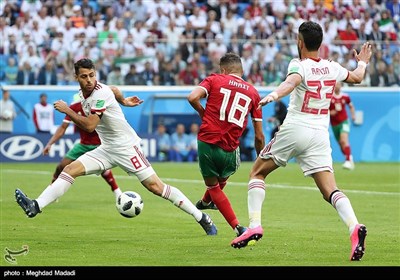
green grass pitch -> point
(300, 229)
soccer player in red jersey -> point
(230, 100)
(340, 122)
(89, 141)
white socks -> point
(181, 201)
(117, 193)
(343, 206)
(255, 199)
(55, 190)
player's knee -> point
(154, 187)
(74, 169)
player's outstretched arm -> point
(130, 101)
(357, 75)
(286, 87)
(56, 136)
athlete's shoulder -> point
(346, 96)
(102, 87)
(216, 79)
(295, 66)
(102, 90)
(331, 62)
(214, 75)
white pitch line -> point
(283, 186)
(200, 182)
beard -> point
(298, 50)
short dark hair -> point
(83, 63)
(231, 62)
(312, 34)
(230, 58)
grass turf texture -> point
(300, 229)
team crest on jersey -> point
(100, 103)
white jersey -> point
(7, 111)
(113, 129)
(44, 116)
(309, 101)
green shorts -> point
(343, 127)
(78, 150)
(215, 162)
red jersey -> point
(338, 103)
(86, 137)
(230, 99)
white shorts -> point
(132, 160)
(311, 148)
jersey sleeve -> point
(98, 107)
(67, 119)
(295, 67)
(101, 99)
(343, 73)
(206, 84)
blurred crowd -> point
(178, 145)
(179, 42)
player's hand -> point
(46, 150)
(132, 101)
(365, 53)
(267, 99)
(61, 106)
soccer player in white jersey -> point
(304, 134)
(120, 146)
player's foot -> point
(247, 237)
(357, 239)
(240, 230)
(208, 225)
(349, 165)
(201, 206)
(117, 193)
(30, 207)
